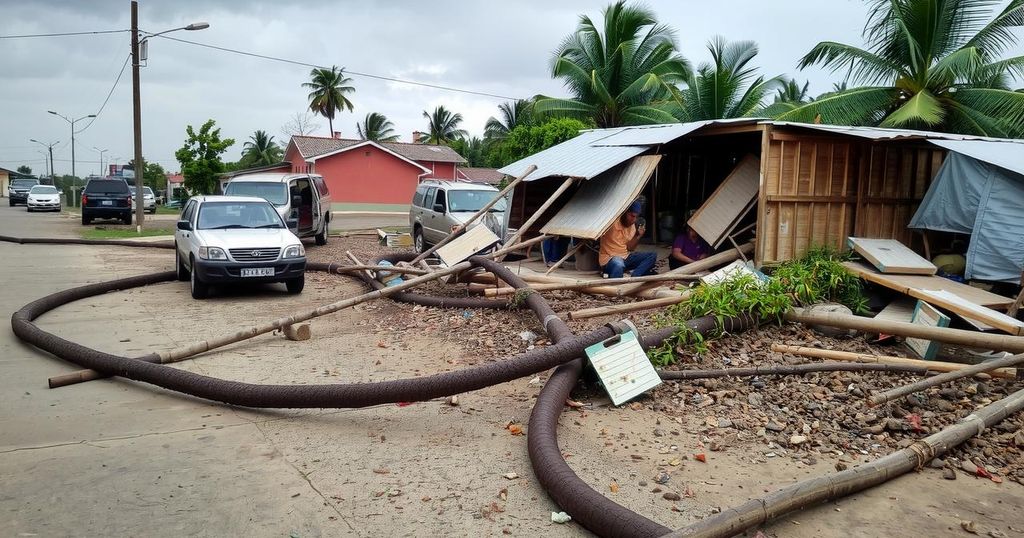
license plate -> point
(107, 202)
(258, 271)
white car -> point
(236, 239)
(148, 199)
(43, 198)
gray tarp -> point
(972, 197)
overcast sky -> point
(498, 48)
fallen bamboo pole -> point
(995, 342)
(984, 367)
(568, 255)
(581, 285)
(937, 366)
(733, 521)
(608, 291)
(487, 207)
(540, 211)
(792, 369)
(699, 266)
(628, 307)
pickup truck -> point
(106, 199)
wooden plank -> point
(721, 212)
(962, 307)
(901, 310)
(468, 244)
(891, 256)
(912, 285)
(926, 314)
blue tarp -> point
(986, 201)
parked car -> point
(148, 199)
(17, 191)
(302, 197)
(106, 199)
(232, 239)
(438, 207)
(43, 198)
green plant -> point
(820, 276)
(519, 297)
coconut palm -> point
(376, 127)
(728, 87)
(260, 150)
(443, 126)
(328, 89)
(927, 64)
(618, 75)
(513, 114)
(791, 95)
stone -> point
(671, 496)
(724, 423)
(797, 440)
(755, 399)
(969, 467)
(774, 426)
(949, 474)
(840, 466)
(830, 308)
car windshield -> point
(473, 201)
(43, 189)
(275, 193)
(147, 190)
(23, 183)
(106, 186)
(228, 215)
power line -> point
(356, 73)
(111, 92)
(63, 34)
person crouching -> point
(618, 244)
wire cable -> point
(347, 71)
(111, 92)
(64, 34)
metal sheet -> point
(650, 135)
(601, 200)
(885, 133)
(575, 158)
(1004, 154)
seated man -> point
(688, 247)
(617, 244)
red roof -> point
(312, 146)
(490, 176)
(175, 178)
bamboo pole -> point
(569, 254)
(995, 342)
(984, 367)
(581, 285)
(540, 211)
(608, 291)
(458, 229)
(754, 512)
(710, 262)
(628, 307)
(937, 366)
(792, 369)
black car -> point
(106, 199)
(17, 191)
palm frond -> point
(855, 106)
(866, 67)
(921, 110)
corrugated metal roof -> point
(575, 157)
(650, 135)
(601, 200)
(884, 133)
(1004, 154)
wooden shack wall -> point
(818, 190)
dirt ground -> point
(430, 468)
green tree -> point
(926, 64)
(526, 140)
(472, 148)
(376, 127)
(200, 158)
(513, 114)
(154, 176)
(443, 126)
(260, 150)
(24, 169)
(727, 87)
(328, 88)
(791, 95)
(621, 76)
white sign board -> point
(623, 367)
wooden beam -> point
(628, 307)
(540, 211)
(572, 251)
(832, 354)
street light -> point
(102, 151)
(72, 123)
(50, 148)
(140, 166)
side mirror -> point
(185, 225)
(439, 208)
(292, 224)
(296, 200)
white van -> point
(302, 197)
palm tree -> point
(443, 126)
(327, 95)
(621, 76)
(513, 114)
(927, 64)
(728, 87)
(791, 95)
(261, 150)
(376, 127)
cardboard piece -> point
(472, 242)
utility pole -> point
(72, 123)
(140, 167)
(50, 148)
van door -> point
(292, 210)
(323, 195)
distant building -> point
(489, 176)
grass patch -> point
(161, 210)
(123, 233)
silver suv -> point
(438, 207)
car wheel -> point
(127, 219)
(321, 238)
(417, 241)
(295, 285)
(180, 270)
(199, 288)
(12, 202)
(86, 220)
